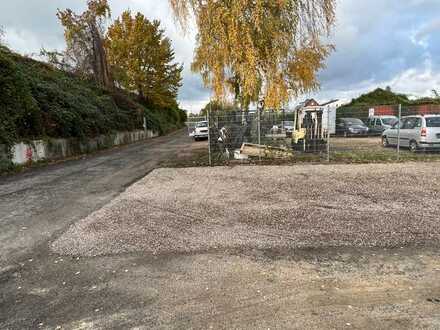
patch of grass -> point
(336, 157)
(377, 156)
(197, 158)
(7, 167)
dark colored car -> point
(351, 127)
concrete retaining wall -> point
(54, 149)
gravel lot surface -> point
(211, 248)
(204, 209)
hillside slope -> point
(387, 97)
(38, 101)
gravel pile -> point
(197, 209)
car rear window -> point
(389, 121)
(433, 122)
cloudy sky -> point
(378, 43)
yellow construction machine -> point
(309, 134)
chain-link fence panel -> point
(358, 132)
(197, 127)
(325, 134)
(417, 132)
(386, 133)
(266, 135)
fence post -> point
(259, 132)
(208, 119)
(328, 134)
(398, 132)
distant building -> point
(366, 111)
(393, 110)
(328, 111)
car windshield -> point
(389, 121)
(202, 124)
(288, 123)
(433, 122)
(353, 121)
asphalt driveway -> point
(36, 204)
(94, 244)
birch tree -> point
(259, 49)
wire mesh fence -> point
(264, 135)
(391, 132)
(193, 121)
(321, 134)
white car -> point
(201, 131)
(285, 127)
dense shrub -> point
(387, 97)
(37, 101)
(17, 106)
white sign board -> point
(371, 112)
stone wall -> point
(54, 149)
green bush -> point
(6, 166)
(18, 107)
(38, 101)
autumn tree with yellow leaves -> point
(84, 34)
(142, 59)
(267, 50)
(132, 53)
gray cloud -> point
(378, 43)
(30, 25)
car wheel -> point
(385, 142)
(196, 139)
(413, 146)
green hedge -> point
(38, 101)
(18, 107)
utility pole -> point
(208, 115)
(328, 134)
(259, 109)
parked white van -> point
(416, 132)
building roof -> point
(313, 103)
(330, 102)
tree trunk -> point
(141, 93)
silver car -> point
(416, 132)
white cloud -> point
(24, 41)
(419, 82)
(378, 43)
